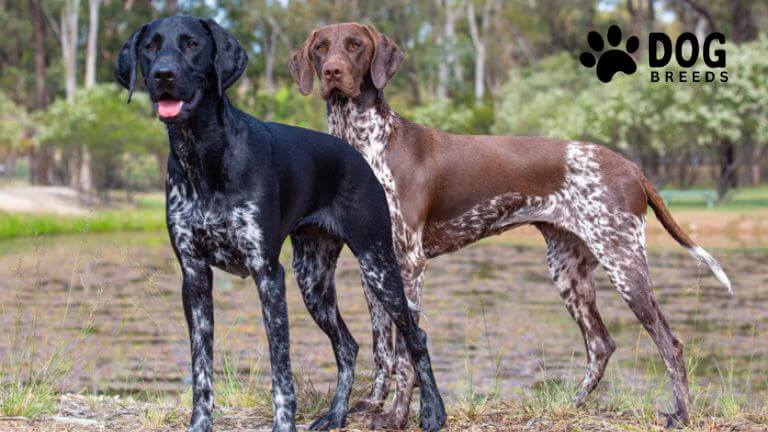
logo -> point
(613, 60)
(686, 50)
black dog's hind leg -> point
(379, 268)
(198, 310)
(314, 262)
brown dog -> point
(446, 191)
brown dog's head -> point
(343, 56)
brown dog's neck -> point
(365, 121)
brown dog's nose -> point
(332, 71)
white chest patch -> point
(368, 131)
(224, 236)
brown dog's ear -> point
(387, 57)
(301, 67)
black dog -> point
(237, 187)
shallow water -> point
(109, 307)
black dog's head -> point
(180, 57)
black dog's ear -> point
(125, 68)
(387, 57)
(230, 58)
(301, 67)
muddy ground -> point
(108, 307)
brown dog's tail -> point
(677, 233)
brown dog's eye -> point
(321, 48)
(353, 45)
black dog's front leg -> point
(270, 280)
(198, 309)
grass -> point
(741, 199)
(27, 399)
(29, 386)
(14, 225)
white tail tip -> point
(704, 256)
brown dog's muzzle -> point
(337, 74)
(333, 70)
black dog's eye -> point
(321, 48)
(150, 46)
(191, 45)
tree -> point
(85, 183)
(446, 41)
(480, 42)
(39, 159)
(68, 38)
(93, 35)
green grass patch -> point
(30, 399)
(745, 198)
(14, 225)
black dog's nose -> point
(164, 74)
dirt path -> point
(41, 199)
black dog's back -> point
(330, 178)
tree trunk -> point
(402, 36)
(91, 51)
(729, 164)
(446, 40)
(743, 27)
(479, 38)
(441, 89)
(171, 7)
(38, 27)
(269, 46)
(40, 158)
(69, 45)
(86, 179)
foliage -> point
(286, 105)
(14, 126)
(455, 117)
(534, 83)
(100, 120)
(645, 120)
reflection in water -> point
(111, 307)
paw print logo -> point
(613, 60)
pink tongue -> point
(169, 108)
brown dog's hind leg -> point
(396, 417)
(622, 254)
(571, 266)
(383, 355)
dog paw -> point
(432, 419)
(432, 416)
(366, 406)
(389, 420)
(675, 420)
(615, 59)
(328, 421)
(284, 427)
(579, 398)
(200, 425)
